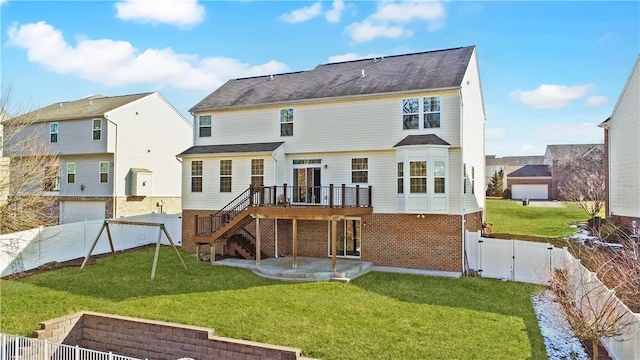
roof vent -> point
(90, 103)
(362, 75)
(60, 104)
(271, 77)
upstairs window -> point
(400, 178)
(418, 176)
(410, 114)
(52, 178)
(427, 110)
(431, 108)
(464, 178)
(104, 171)
(439, 175)
(53, 132)
(196, 176)
(204, 125)
(286, 122)
(473, 179)
(225, 175)
(71, 173)
(257, 172)
(360, 170)
(97, 129)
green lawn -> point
(378, 316)
(510, 217)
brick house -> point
(376, 159)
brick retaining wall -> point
(154, 339)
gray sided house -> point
(378, 159)
(622, 146)
(112, 156)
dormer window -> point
(53, 132)
(286, 122)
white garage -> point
(530, 191)
(74, 211)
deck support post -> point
(257, 241)
(214, 247)
(275, 236)
(334, 232)
(295, 243)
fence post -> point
(16, 348)
(110, 355)
(46, 348)
(370, 196)
(284, 193)
(3, 348)
(77, 352)
(357, 195)
(40, 244)
(250, 195)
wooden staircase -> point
(240, 245)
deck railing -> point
(285, 196)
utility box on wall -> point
(141, 182)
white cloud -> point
(2, 2)
(551, 96)
(118, 62)
(349, 57)
(302, 14)
(569, 133)
(494, 133)
(333, 15)
(391, 18)
(595, 101)
(181, 13)
(366, 31)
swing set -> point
(162, 229)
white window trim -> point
(197, 176)
(287, 122)
(93, 129)
(51, 132)
(255, 175)
(230, 176)
(421, 112)
(200, 126)
(358, 170)
(55, 187)
(100, 172)
(69, 173)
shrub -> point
(506, 194)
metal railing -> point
(285, 196)
(14, 347)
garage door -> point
(74, 211)
(537, 191)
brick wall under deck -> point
(154, 339)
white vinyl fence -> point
(531, 262)
(13, 347)
(33, 248)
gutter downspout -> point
(463, 215)
(115, 170)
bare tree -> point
(582, 179)
(29, 175)
(599, 303)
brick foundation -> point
(154, 339)
(432, 242)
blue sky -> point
(550, 71)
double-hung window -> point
(473, 179)
(360, 170)
(418, 177)
(225, 175)
(257, 172)
(286, 122)
(204, 125)
(427, 110)
(400, 178)
(465, 178)
(53, 132)
(196, 176)
(104, 171)
(439, 175)
(97, 129)
(71, 173)
(52, 178)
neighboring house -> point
(530, 182)
(4, 162)
(622, 145)
(385, 153)
(508, 164)
(557, 156)
(114, 155)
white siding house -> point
(397, 131)
(622, 143)
(115, 155)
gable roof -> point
(514, 160)
(232, 148)
(531, 171)
(426, 139)
(440, 69)
(635, 71)
(556, 152)
(89, 107)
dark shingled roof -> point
(420, 71)
(426, 139)
(532, 171)
(86, 108)
(232, 148)
(514, 160)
